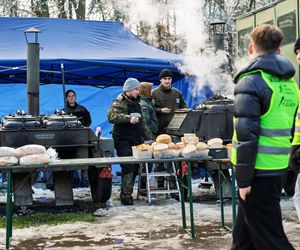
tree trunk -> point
(40, 8)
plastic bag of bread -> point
(30, 149)
(8, 160)
(7, 151)
(166, 154)
(160, 150)
(173, 153)
(35, 159)
(163, 138)
(188, 151)
(202, 153)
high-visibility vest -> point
(296, 139)
(275, 125)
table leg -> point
(221, 193)
(182, 198)
(9, 207)
(191, 201)
(233, 189)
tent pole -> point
(63, 84)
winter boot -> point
(127, 189)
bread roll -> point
(201, 146)
(172, 145)
(163, 138)
(180, 145)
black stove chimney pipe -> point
(218, 34)
(33, 72)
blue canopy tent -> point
(93, 53)
(97, 58)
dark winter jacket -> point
(252, 100)
(166, 98)
(294, 162)
(80, 112)
(119, 115)
(149, 114)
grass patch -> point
(46, 218)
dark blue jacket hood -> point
(273, 64)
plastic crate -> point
(141, 152)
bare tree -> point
(40, 8)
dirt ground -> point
(141, 226)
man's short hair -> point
(266, 37)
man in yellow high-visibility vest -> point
(266, 100)
(295, 150)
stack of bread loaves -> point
(163, 147)
(188, 147)
(191, 147)
(8, 156)
(32, 154)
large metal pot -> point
(20, 121)
(61, 121)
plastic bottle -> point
(153, 183)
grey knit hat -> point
(131, 84)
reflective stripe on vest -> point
(275, 125)
(296, 139)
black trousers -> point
(259, 221)
(123, 148)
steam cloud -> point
(200, 58)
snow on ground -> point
(141, 226)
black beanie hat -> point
(69, 91)
(165, 73)
(297, 45)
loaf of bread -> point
(190, 140)
(160, 147)
(35, 159)
(163, 138)
(201, 146)
(30, 149)
(7, 151)
(180, 145)
(188, 151)
(215, 143)
(172, 145)
(8, 160)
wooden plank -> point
(63, 188)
